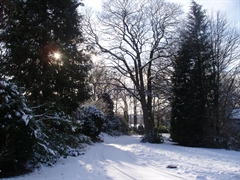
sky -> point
(229, 7)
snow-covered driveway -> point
(120, 163)
(126, 158)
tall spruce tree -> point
(36, 30)
(192, 81)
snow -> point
(236, 114)
(47, 149)
(25, 118)
(126, 158)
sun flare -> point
(57, 55)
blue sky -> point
(230, 7)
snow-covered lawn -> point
(126, 158)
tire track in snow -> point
(124, 163)
(103, 167)
(154, 168)
(151, 167)
(111, 164)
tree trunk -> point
(135, 113)
(147, 116)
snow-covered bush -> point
(91, 120)
(57, 134)
(76, 150)
(153, 137)
(16, 134)
(51, 132)
(29, 137)
(115, 126)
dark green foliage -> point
(16, 133)
(57, 135)
(51, 136)
(31, 32)
(192, 81)
(140, 129)
(91, 120)
(162, 129)
(109, 104)
(115, 126)
(124, 126)
(31, 139)
(35, 30)
(153, 137)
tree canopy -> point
(191, 80)
(43, 50)
(135, 36)
(199, 71)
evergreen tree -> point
(192, 81)
(42, 39)
(41, 44)
(109, 104)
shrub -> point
(51, 132)
(29, 137)
(57, 134)
(16, 134)
(77, 144)
(152, 137)
(162, 129)
(115, 126)
(91, 120)
(140, 129)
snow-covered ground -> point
(126, 158)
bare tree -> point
(103, 80)
(226, 65)
(100, 80)
(134, 35)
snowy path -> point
(125, 158)
(128, 167)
